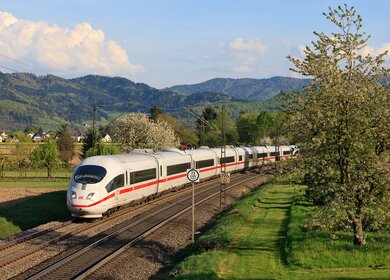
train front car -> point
(87, 195)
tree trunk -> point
(49, 173)
(358, 233)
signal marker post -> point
(193, 176)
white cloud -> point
(243, 69)
(69, 51)
(250, 45)
(385, 47)
(244, 53)
(375, 51)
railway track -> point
(85, 261)
(21, 248)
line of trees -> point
(140, 131)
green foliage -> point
(103, 149)
(33, 212)
(265, 124)
(202, 127)
(330, 249)
(341, 123)
(65, 145)
(222, 124)
(89, 144)
(155, 113)
(262, 237)
(46, 155)
(22, 137)
(27, 100)
(186, 134)
(20, 161)
(248, 129)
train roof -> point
(105, 160)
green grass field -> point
(60, 183)
(36, 178)
(33, 212)
(261, 238)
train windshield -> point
(89, 174)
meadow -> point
(262, 237)
(31, 199)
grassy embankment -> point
(33, 212)
(261, 238)
(36, 210)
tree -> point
(103, 149)
(21, 160)
(265, 124)
(22, 137)
(137, 131)
(89, 143)
(278, 129)
(222, 123)
(202, 129)
(342, 123)
(155, 113)
(187, 134)
(46, 155)
(65, 145)
(248, 129)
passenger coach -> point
(102, 184)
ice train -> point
(102, 184)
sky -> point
(170, 42)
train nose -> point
(84, 203)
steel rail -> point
(22, 253)
(151, 219)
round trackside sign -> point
(193, 175)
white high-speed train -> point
(102, 184)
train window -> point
(250, 156)
(178, 168)
(204, 163)
(286, 152)
(262, 155)
(89, 174)
(142, 175)
(226, 160)
(273, 154)
(240, 158)
(117, 182)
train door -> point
(246, 161)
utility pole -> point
(94, 108)
(202, 128)
(222, 190)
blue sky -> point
(168, 42)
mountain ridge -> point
(47, 101)
(245, 88)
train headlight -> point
(74, 195)
(90, 195)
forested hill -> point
(30, 100)
(247, 89)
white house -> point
(106, 139)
